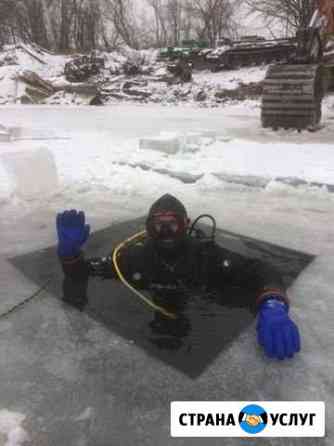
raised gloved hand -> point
(72, 233)
(276, 332)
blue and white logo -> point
(253, 419)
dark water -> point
(208, 323)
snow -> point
(85, 415)
(232, 78)
(62, 153)
(226, 165)
(50, 67)
(232, 148)
(4, 136)
(11, 429)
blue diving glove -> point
(72, 233)
(276, 332)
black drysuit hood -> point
(168, 204)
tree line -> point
(84, 25)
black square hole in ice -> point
(213, 324)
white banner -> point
(248, 419)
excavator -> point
(293, 91)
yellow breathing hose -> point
(145, 299)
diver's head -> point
(167, 224)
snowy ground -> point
(206, 85)
(90, 158)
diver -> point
(170, 259)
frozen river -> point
(76, 382)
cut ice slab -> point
(214, 320)
(4, 134)
(164, 143)
(193, 141)
(11, 429)
(171, 143)
(224, 138)
(16, 132)
(33, 172)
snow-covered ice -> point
(11, 431)
(55, 149)
(90, 159)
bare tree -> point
(121, 15)
(50, 31)
(35, 22)
(168, 21)
(82, 25)
(291, 13)
(214, 18)
(13, 21)
(66, 11)
(6, 21)
(177, 20)
(86, 24)
(160, 22)
(188, 20)
(174, 15)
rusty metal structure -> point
(293, 91)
